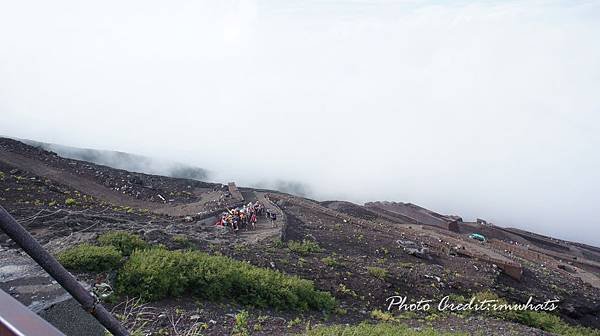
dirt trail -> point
(587, 277)
(96, 190)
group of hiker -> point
(245, 217)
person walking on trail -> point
(274, 219)
(253, 220)
(236, 225)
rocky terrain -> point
(361, 254)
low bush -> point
(182, 242)
(304, 247)
(345, 290)
(383, 316)
(240, 328)
(380, 329)
(278, 243)
(123, 241)
(90, 258)
(70, 202)
(330, 261)
(157, 273)
(377, 272)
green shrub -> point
(157, 273)
(330, 261)
(90, 258)
(406, 265)
(294, 322)
(240, 328)
(123, 241)
(304, 247)
(377, 272)
(383, 316)
(278, 243)
(345, 290)
(182, 241)
(380, 329)
(70, 202)
(340, 311)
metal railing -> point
(90, 304)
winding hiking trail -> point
(92, 188)
(99, 191)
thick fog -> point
(127, 161)
(487, 110)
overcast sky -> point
(485, 110)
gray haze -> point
(489, 109)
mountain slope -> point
(364, 254)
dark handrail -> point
(17, 233)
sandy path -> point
(94, 189)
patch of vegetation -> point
(385, 251)
(2, 175)
(240, 247)
(340, 311)
(345, 290)
(258, 326)
(182, 241)
(90, 258)
(304, 247)
(123, 241)
(156, 273)
(70, 202)
(330, 261)
(380, 329)
(294, 322)
(278, 243)
(377, 272)
(240, 328)
(559, 290)
(383, 316)
(405, 265)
